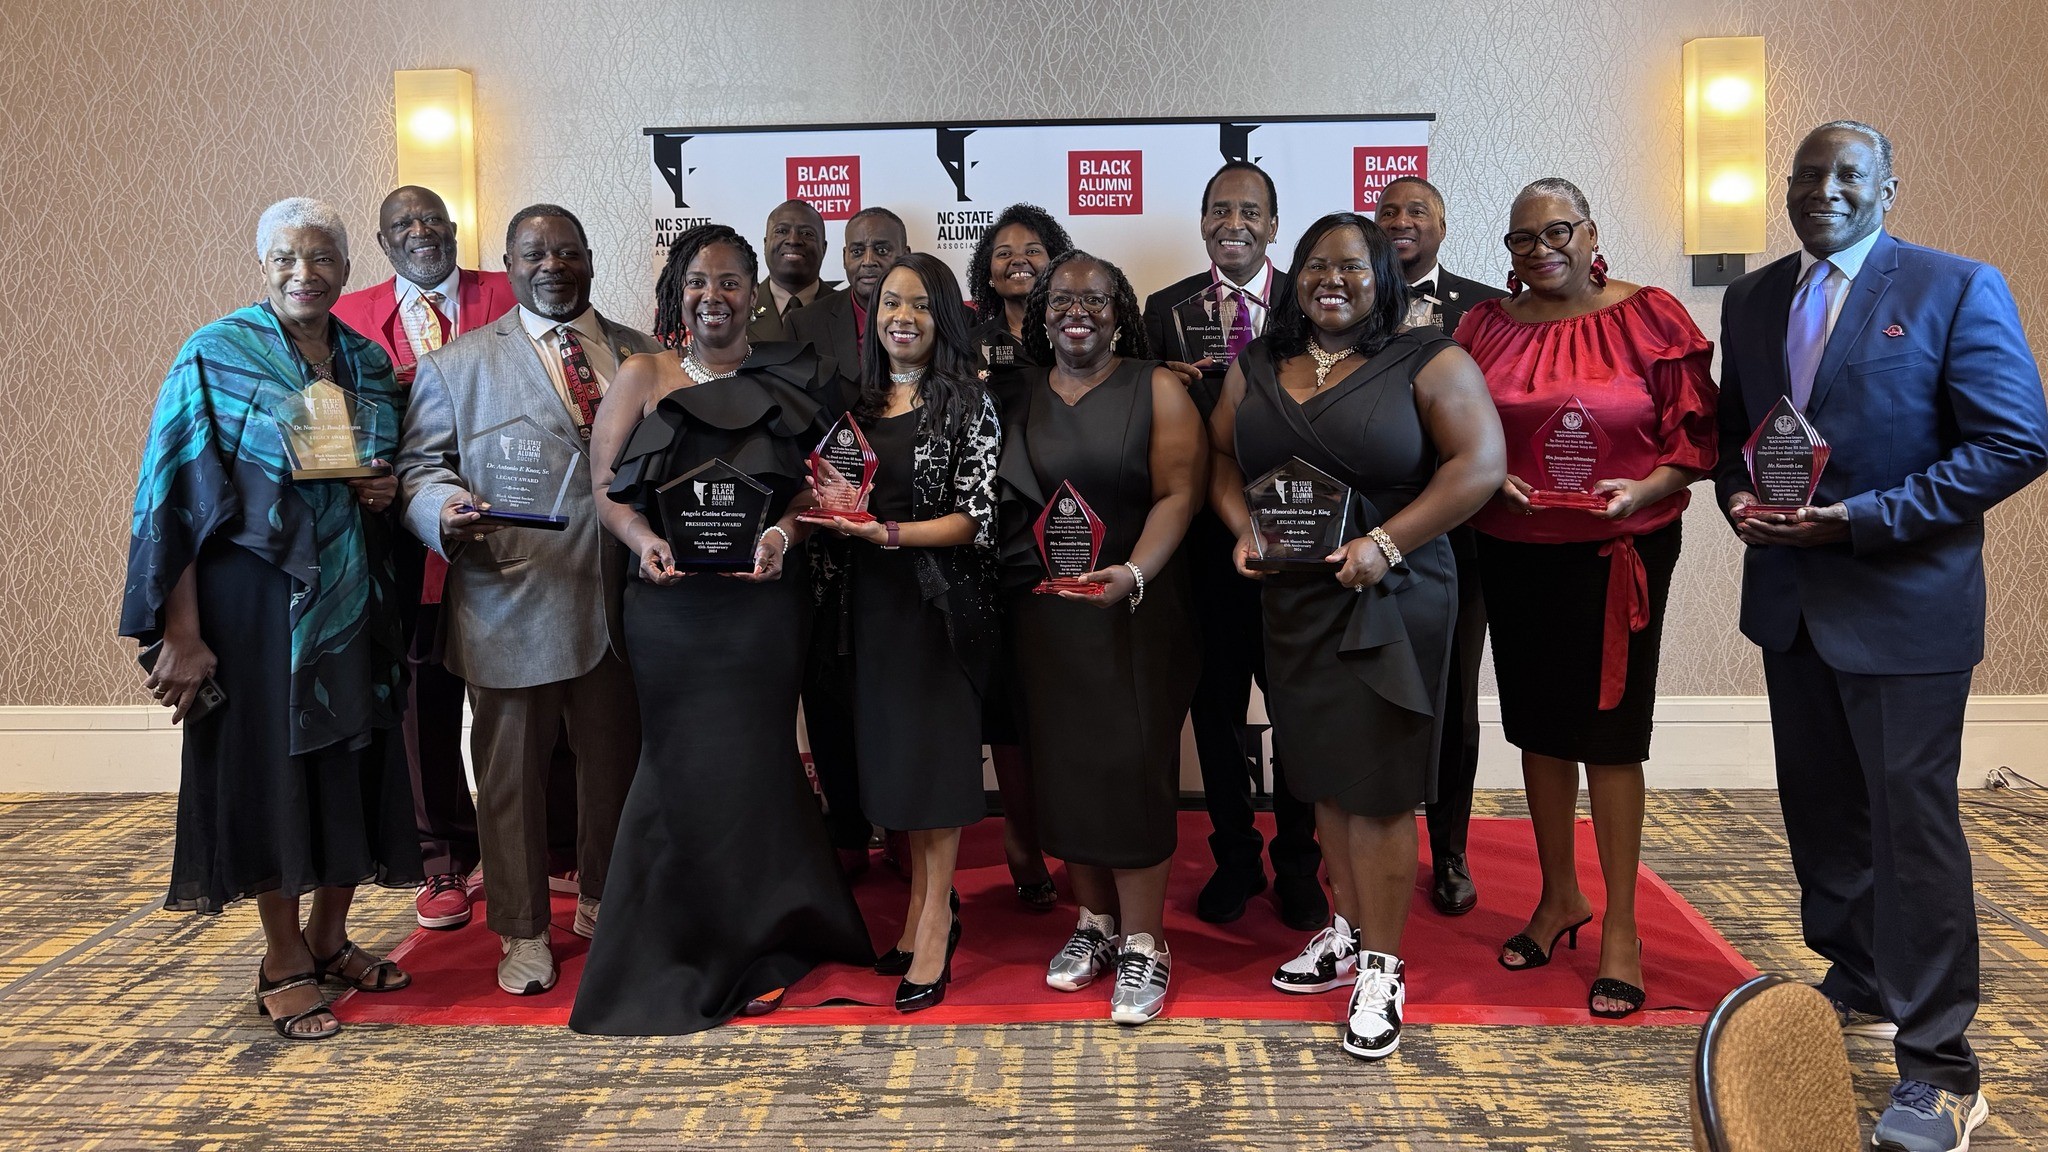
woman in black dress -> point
(1356, 657)
(1105, 675)
(920, 594)
(281, 593)
(1006, 266)
(724, 886)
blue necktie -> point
(1806, 332)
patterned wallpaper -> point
(132, 167)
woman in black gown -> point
(1106, 676)
(1356, 657)
(921, 597)
(724, 886)
(1006, 266)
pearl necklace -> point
(700, 373)
(1324, 362)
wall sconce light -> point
(436, 117)
(1724, 155)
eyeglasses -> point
(1554, 237)
(1092, 301)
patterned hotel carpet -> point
(121, 1027)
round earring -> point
(1514, 286)
(1599, 273)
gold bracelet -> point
(1387, 546)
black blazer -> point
(1457, 296)
(827, 325)
(766, 326)
(1165, 342)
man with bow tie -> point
(1868, 600)
(1411, 213)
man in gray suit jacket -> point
(532, 616)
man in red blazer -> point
(427, 304)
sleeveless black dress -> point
(917, 715)
(1103, 691)
(1355, 680)
(723, 885)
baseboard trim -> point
(1700, 742)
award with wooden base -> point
(844, 468)
(523, 471)
(1069, 535)
(712, 517)
(1785, 456)
(1299, 513)
(328, 434)
(1570, 451)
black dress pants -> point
(1867, 778)
(1450, 815)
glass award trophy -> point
(844, 467)
(1785, 457)
(523, 471)
(712, 517)
(1069, 536)
(328, 434)
(1202, 322)
(1570, 450)
(1299, 513)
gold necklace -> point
(1325, 361)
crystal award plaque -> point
(1202, 322)
(523, 471)
(1570, 450)
(844, 467)
(1299, 514)
(1785, 457)
(1069, 535)
(328, 434)
(713, 517)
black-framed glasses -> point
(1555, 236)
(1091, 301)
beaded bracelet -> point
(1137, 595)
(778, 530)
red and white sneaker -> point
(443, 901)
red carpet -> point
(1220, 971)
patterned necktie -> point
(582, 382)
(1806, 332)
(432, 326)
(1240, 322)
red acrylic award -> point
(1785, 456)
(843, 467)
(1069, 537)
(1570, 448)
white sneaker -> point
(527, 967)
(585, 924)
(1142, 970)
(1088, 953)
(1329, 961)
(1372, 1029)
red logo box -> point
(1372, 169)
(831, 184)
(1106, 183)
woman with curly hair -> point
(1006, 266)
(1105, 669)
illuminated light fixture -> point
(1724, 155)
(436, 121)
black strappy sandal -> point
(286, 1025)
(1532, 954)
(1039, 897)
(1612, 989)
(335, 967)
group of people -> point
(634, 722)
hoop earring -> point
(1514, 286)
(1599, 273)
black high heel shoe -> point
(896, 961)
(1534, 956)
(1621, 990)
(911, 997)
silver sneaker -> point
(1372, 1028)
(528, 965)
(1088, 954)
(1329, 961)
(1142, 970)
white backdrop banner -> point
(1127, 190)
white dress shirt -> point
(1848, 262)
(413, 314)
(1259, 289)
(547, 344)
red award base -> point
(1756, 511)
(1053, 587)
(1585, 501)
(826, 516)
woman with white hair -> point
(264, 596)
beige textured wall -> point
(139, 138)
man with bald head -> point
(836, 326)
(791, 255)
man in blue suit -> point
(1868, 602)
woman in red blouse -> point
(1604, 393)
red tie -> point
(581, 380)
